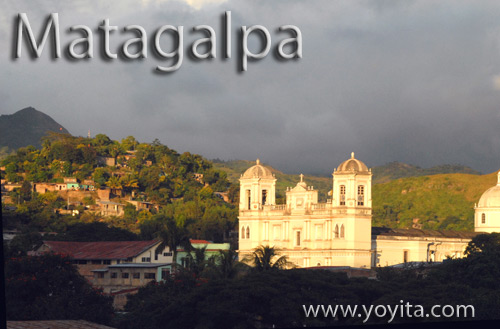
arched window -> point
(336, 231)
(264, 197)
(483, 219)
(243, 232)
(342, 195)
(248, 232)
(361, 195)
(342, 231)
(249, 200)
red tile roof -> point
(200, 241)
(100, 249)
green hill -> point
(26, 127)
(395, 170)
(431, 199)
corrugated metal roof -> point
(100, 249)
(414, 232)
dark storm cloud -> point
(410, 81)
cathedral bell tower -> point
(352, 209)
(257, 196)
(257, 188)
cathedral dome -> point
(258, 171)
(352, 165)
(491, 198)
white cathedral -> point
(339, 232)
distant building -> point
(71, 183)
(106, 161)
(121, 280)
(110, 208)
(143, 205)
(44, 187)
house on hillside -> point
(143, 205)
(87, 185)
(44, 187)
(106, 161)
(71, 183)
(110, 208)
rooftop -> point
(414, 232)
(100, 249)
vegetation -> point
(183, 185)
(444, 202)
(265, 258)
(395, 170)
(49, 288)
(275, 298)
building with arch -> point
(339, 232)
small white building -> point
(487, 211)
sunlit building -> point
(339, 232)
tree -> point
(114, 184)
(266, 258)
(173, 233)
(129, 143)
(484, 243)
(25, 191)
(129, 182)
(227, 264)
(49, 287)
(197, 263)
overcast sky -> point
(410, 81)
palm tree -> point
(227, 264)
(129, 182)
(114, 184)
(266, 258)
(197, 263)
(172, 234)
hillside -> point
(434, 202)
(26, 127)
(395, 170)
(77, 178)
(428, 200)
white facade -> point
(335, 233)
(339, 232)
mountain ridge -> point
(26, 127)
